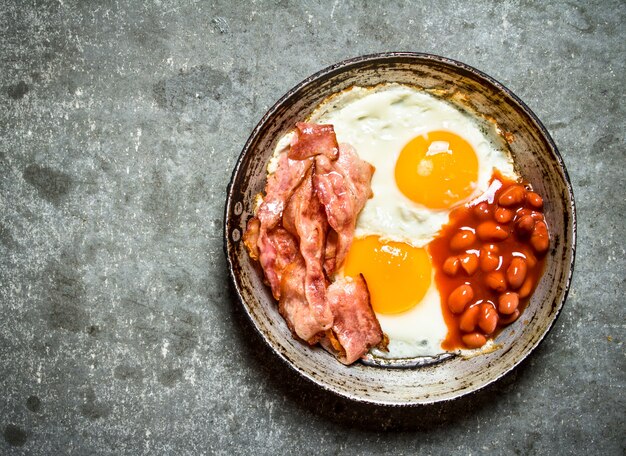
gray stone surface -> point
(120, 123)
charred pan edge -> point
(385, 59)
(418, 361)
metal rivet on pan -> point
(236, 235)
(238, 208)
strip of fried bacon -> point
(312, 139)
(301, 234)
(280, 186)
(304, 217)
(293, 305)
(275, 250)
(355, 328)
(343, 187)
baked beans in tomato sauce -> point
(488, 260)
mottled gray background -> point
(120, 123)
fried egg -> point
(429, 157)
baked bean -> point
(541, 228)
(534, 200)
(537, 216)
(462, 240)
(469, 319)
(539, 238)
(469, 262)
(525, 225)
(451, 266)
(512, 196)
(526, 288)
(459, 298)
(531, 259)
(508, 319)
(488, 261)
(516, 272)
(508, 302)
(503, 215)
(482, 211)
(491, 248)
(496, 281)
(487, 318)
(474, 340)
(491, 231)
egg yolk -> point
(397, 274)
(437, 170)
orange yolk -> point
(397, 274)
(437, 170)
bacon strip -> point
(330, 253)
(293, 305)
(355, 328)
(343, 187)
(280, 186)
(277, 249)
(304, 217)
(301, 234)
(314, 139)
(251, 237)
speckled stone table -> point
(120, 123)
